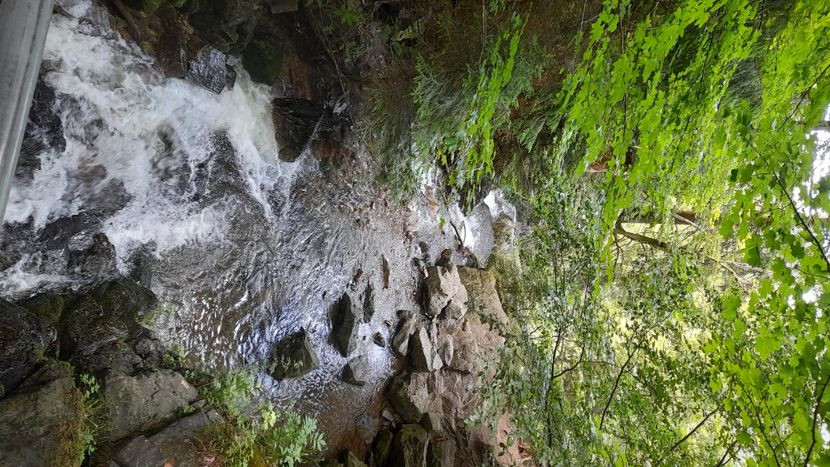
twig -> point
(815, 420)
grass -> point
(77, 435)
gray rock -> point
(140, 452)
(178, 443)
(382, 448)
(446, 348)
(446, 295)
(293, 357)
(24, 341)
(408, 325)
(480, 285)
(441, 453)
(210, 69)
(357, 371)
(409, 447)
(42, 425)
(346, 323)
(138, 403)
(431, 421)
(409, 395)
(422, 353)
(379, 340)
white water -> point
(118, 112)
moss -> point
(263, 61)
(47, 307)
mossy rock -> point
(47, 307)
(263, 61)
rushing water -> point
(187, 186)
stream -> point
(127, 173)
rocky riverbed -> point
(203, 199)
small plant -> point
(261, 435)
(175, 356)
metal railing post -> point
(23, 27)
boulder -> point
(431, 421)
(293, 357)
(24, 341)
(382, 448)
(294, 123)
(105, 315)
(138, 403)
(441, 453)
(42, 425)
(409, 394)
(446, 295)
(422, 353)
(263, 60)
(210, 69)
(480, 285)
(357, 371)
(409, 447)
(345, 326)
(178, 444)
(47, 307)
(407, 326)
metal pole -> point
(23, 27)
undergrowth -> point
(256, 434)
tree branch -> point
(688, 435)
(614, 389)
(815, 420)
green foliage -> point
(257, 435)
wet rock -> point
(357, 371)
(56, 234)
(422, 353)
(382, 447)
(346, 323)
(294, 123)
(293, 357)
(441, 453)
(379, 340)
(93, 253)
(41, 425)
(210, 69)
(43, 132)
(446, 295)
(409, 447)
(408, 325)
(384, 271)
(368, 304)
(410, 396)
(24, 341)
(140, 402)
(170, 51)
(480, 285)
(139, 452)
(116, 356)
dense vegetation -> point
(670, 299)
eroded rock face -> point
(41, 424)
(24, 340)
(140, 402)
(446, 295)
(423, 354)
(345, 325)
(409, 447)
(293, 357)
(407, 326)
(409, 394)
(441, 453)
